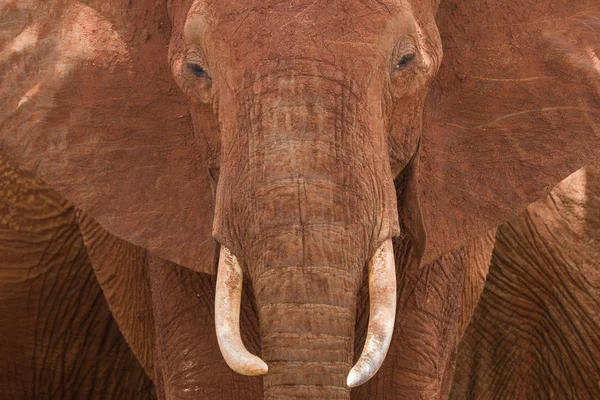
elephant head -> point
(300, 137)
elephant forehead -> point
(334, 31)
(302, 13)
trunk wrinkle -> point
(309, 306)
(273, 270)
(302, 363)
(312, 386)
(311, 336)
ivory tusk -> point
(228, 297)
(382, 307)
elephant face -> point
(307, 122)
(331, 109)
(300, 138)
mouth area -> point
(188, 360)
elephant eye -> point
(196, 69)
(405, 60)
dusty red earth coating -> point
(289, 132)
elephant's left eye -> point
(196, 69)
(405, 61)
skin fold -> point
(534, 333)
(58, 338)
(189, 365)
(144, 294)
(173, 339)
(299, 137)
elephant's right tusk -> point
(228, 297)
(382, 299)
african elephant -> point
(323, 150)
(51, 304)
(148, 296)
(58, 339)
(535, 331)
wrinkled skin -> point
(300, 136)
(534, 333)
(147, 295)
(58, 338)
(435, 302)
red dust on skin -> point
(309, 116)
(544, 272)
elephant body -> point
(79, 303)
(306, 153)
(58, 338)
(534, 333)
(433, 306)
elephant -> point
(58, 338)
(534, 333)
(141, 292)
(329, 162)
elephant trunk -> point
(309, 356)
(305, 202)
(307, 320)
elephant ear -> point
(514, 109)
(89, 105)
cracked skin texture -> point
(189, 364)
(58, 338)
(534, 333)
(301, 135)
(146, 295)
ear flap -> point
(120, 269)
(515, 109)
(89, 104)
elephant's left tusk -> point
(382, 299)
(228, 297)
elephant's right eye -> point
(405, 60)
(196, 69)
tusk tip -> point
(255, 367)
(261, 368)
(354, 379)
